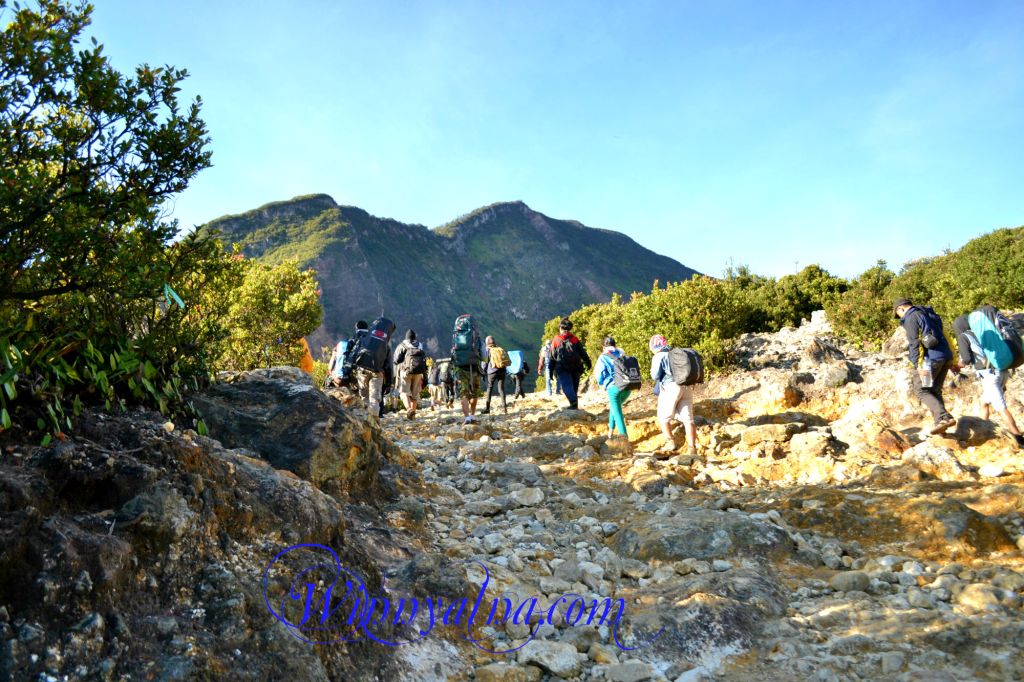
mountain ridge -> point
(511, 266)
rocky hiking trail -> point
(819, 535)
(816, 538)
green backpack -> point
(465, 342)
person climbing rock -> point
(993, 380)
(546, 368)
(570, 359)
(675, 401)
(923, 328)
(411, 368)
(606, 380)
(495, 368)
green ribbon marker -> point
(170, 294)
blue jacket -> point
(661, 371)
(606, 369)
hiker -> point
(616, 396)
(545, 367)
(993, 380)
(495, 365)
(675, 401)
(467, 354)
(434, 383)
(370, 357)
(517, 369)
(447, 377)
(411, 363)
(569, 358)
(336, 365)
(923, 327)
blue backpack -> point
(515, 358)
(998, 339)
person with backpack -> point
(496, 364)
(546, 368)
(974, 354)
(467, 354)
(518, 369)
(569, 358)
(447, 376)
(371, 359)
(434, 383)
(411, 363)
(675, 399)
(611, 356)
(923, 328)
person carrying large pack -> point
(411, 368)
(619, 375)
(923, 328)
(467, 354)
(546, 368)
(517, 369)
(675, 372)
(370, 358)
(337, 372)
(570, 359)
(496, 364)
(990, 359)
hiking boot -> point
(943, 425)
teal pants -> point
(615, 399)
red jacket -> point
(571, 338)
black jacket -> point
(913, 324)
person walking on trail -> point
(434, 383)
(467, 354)
(569, 358)
(369, 383)
(518, 371)
(923, 327)
(675, 401)
(606, 380)
(495, 368)
(993, 380)
(546, 368)
(411, 361)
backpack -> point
(931, 328)
(515, 362)
(998, 339)
(339, 368)
(371, 351)
(686, 365)
(627, 372)
(498, 356)
(465, 342)
(566, 355)
(415, 360)
(434, 376)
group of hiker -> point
(366, 361)
(987, 344)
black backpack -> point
(371, 351)
(566, 355)
(627, 373)
(415, 361)
(686, 365)
(931, 327)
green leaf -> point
(46, 439)
(5, 418)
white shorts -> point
(992, 384)
(675, 402)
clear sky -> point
(773, 134)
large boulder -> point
(278, 414)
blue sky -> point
(770, 134)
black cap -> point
(609, 341)
(899, 302)
(410, 335)
(565, 325)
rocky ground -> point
(819, 535)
